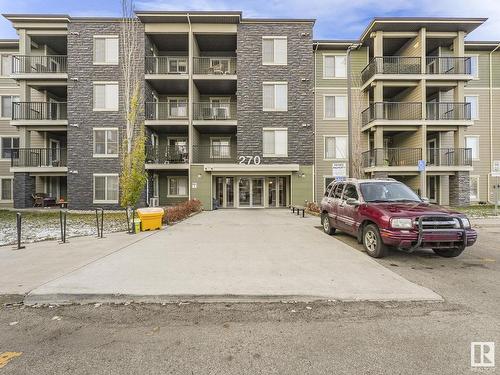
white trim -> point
(11, 178)
(104, 83)
(94, 175)
(2, 117)
(478, 146)
(274, 109)
(273, 38)
(476, 55)
(1, 144)
(168, 186)
(334, 107)
(103, 36)
(477, 105)
(274, 155)
(222, 139)
(105, 143)
(334, 136)
(330, 54)
(1, 65)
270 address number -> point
(249, 159)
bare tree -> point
(357, 106)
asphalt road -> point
(273, 338)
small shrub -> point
(181, 211)
(312, 207)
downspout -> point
(349, 105)
(491, 114)
(190, 103)
(315, 49)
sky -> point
(335, 19)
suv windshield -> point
(387, 192)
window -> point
(274, 50)
(472, 142)
(474, 188)
(106, 142)
(106, 49)
(105, 96)
(105, 188)
(6, 188)
(335, 147)
(177, 64)
(350, 192)
(334, 66)
(275, 96)
(328, 187)
(338, 190)
(7, 101)
(335, 106)
(8, 145)
(474, 109)
(177, 187)
(275, 142)
(6, 65)
(177, 107)
(219, 148)
(474, 65)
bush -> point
(312, 207)
(181, 211)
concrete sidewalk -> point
(231, 255)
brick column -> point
(460, 189)
(24, 187)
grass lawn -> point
(477, 210)
(44, 225)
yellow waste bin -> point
(151, 217)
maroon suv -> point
(385, 212)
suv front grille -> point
(436, 222)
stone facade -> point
(24, 187)
(81, 75)
(299, 73)
(460, 189)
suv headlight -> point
(465, 222)
(402, 223)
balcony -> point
(39, 159)
(212, 111)
(391, 157)
(391, 65)
(47, 66)
(214, 154)
(166, 111)
(449, 157)
(168, 157)
(218, 66)
(448, 65)
(448, 111)
(49, 113)
(392, 111)
(173, 65)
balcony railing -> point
(39, 111)
(214, 65)
(448, 111)
(448, 65)
(167, 65)
(392, 157)
(39, 64)
(449, 157)
(391, 65)
(39, 157)
(392, 111)
(214, 154)
(167, 155)
(166, 110)
(214, 111)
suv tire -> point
(373, 242)
(448, 253)
(325, 223)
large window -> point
(6, 109)
(472, 142)
(474, 108)
(6, 65)
(6, 188)
(474, 188)
(105, 96)
(8, 146)
(105, 188)
(474, 65)
(177, 186)
(275, 96)
(275, 142)
(106, 49)
(106, 142)
(334, 66)
(335, 107)
(220, 148)
(335, 147)
(274, 50)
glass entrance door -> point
(257, 192)
(244, 187)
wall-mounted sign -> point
(339, 171)
(194, 185)
(421, 165)
(248, 159)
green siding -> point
(302, 187)
(203, 190)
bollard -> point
(63, 213)
(100, 225)
(18, 223)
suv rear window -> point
(350, 192)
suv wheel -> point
(325, 223)
(448, 253)
(373, 242)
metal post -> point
(63, 213)
(497, 195)
(18, 221)
(102, 222)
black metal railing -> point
(167, 155)
(214, 154)
(39, 157)
(391, 65)
(39, 111)
(214, 111)
(448, 65)
(448, 111)
(392, 157)
(166, 110)
(392, 111)
(167, 65)
(214, 65)
(39, 64)
(449, 157)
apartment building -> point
(247, 112)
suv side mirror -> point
(352, 202)
(425, 200)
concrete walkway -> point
(230, 255)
